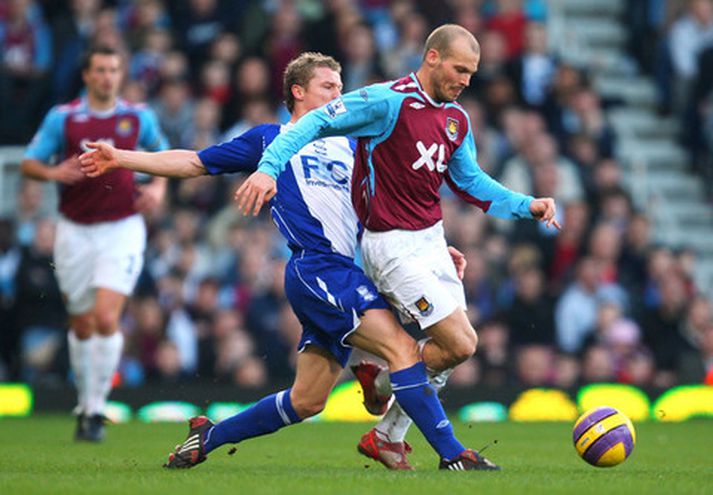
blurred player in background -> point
(99, 247)
(338, 306)
(412, 137)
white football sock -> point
(105, 361)
(80, 359)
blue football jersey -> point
(312, 207)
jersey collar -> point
(102, 114)
(430, 100)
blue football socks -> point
(266, 416)
(420, 401)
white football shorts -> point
(413, 270)
(107, 255)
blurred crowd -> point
(596, 302)
(673, 41)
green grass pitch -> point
(38, 456)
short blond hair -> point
(301, 70)
(441, 38)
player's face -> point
(103, 76)
(324, 86)
(452, 74)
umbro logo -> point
(417, 105)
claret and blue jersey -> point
(312, 209)
(64, 133)
(408, 145)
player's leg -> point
(80, 339)
(380, 334)
(119, 248)
(416, 273)
(317, 372)
(108, 347)
(74, 260)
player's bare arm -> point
(545, 210)
(66, 172)
(103, 157)
(255, 192)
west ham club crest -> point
(452, 128)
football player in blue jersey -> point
(338, 305)
(412, 136)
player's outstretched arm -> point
(254, 192)
(103, 157)
(545, 210)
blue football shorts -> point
(329, 293)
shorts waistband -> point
(435, 229)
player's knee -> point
(83, 326)
(464, 346)
(401, 352)
(306, 407)
(107, 321)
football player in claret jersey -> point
(412, 137)
(100, 240)
(336, 303)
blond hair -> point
(301, 70)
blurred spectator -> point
(598, 366)
(689, 35)
(40, 315)
(406, 56)
(9, 338)
(283, 42)
(145, 66)
(197, 25)
(361, 64)
(576, 310)
(535, 365)
(509, 20)
(26, 48)
(205, 130)
(531, 315)
(72, 32)
(662, 332)
(174, 109)
(533, 71)
(254, 112)
(29, 210)
(493, 356)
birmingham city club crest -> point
(452, 128)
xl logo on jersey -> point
(427, 156)
(83, 142)
(318, 172)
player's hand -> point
(102, 158)
(545, 210)
(458, 260)
(150, 195)
(67, 172)
(254, 192)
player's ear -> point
(298, 92)
(432, 57)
